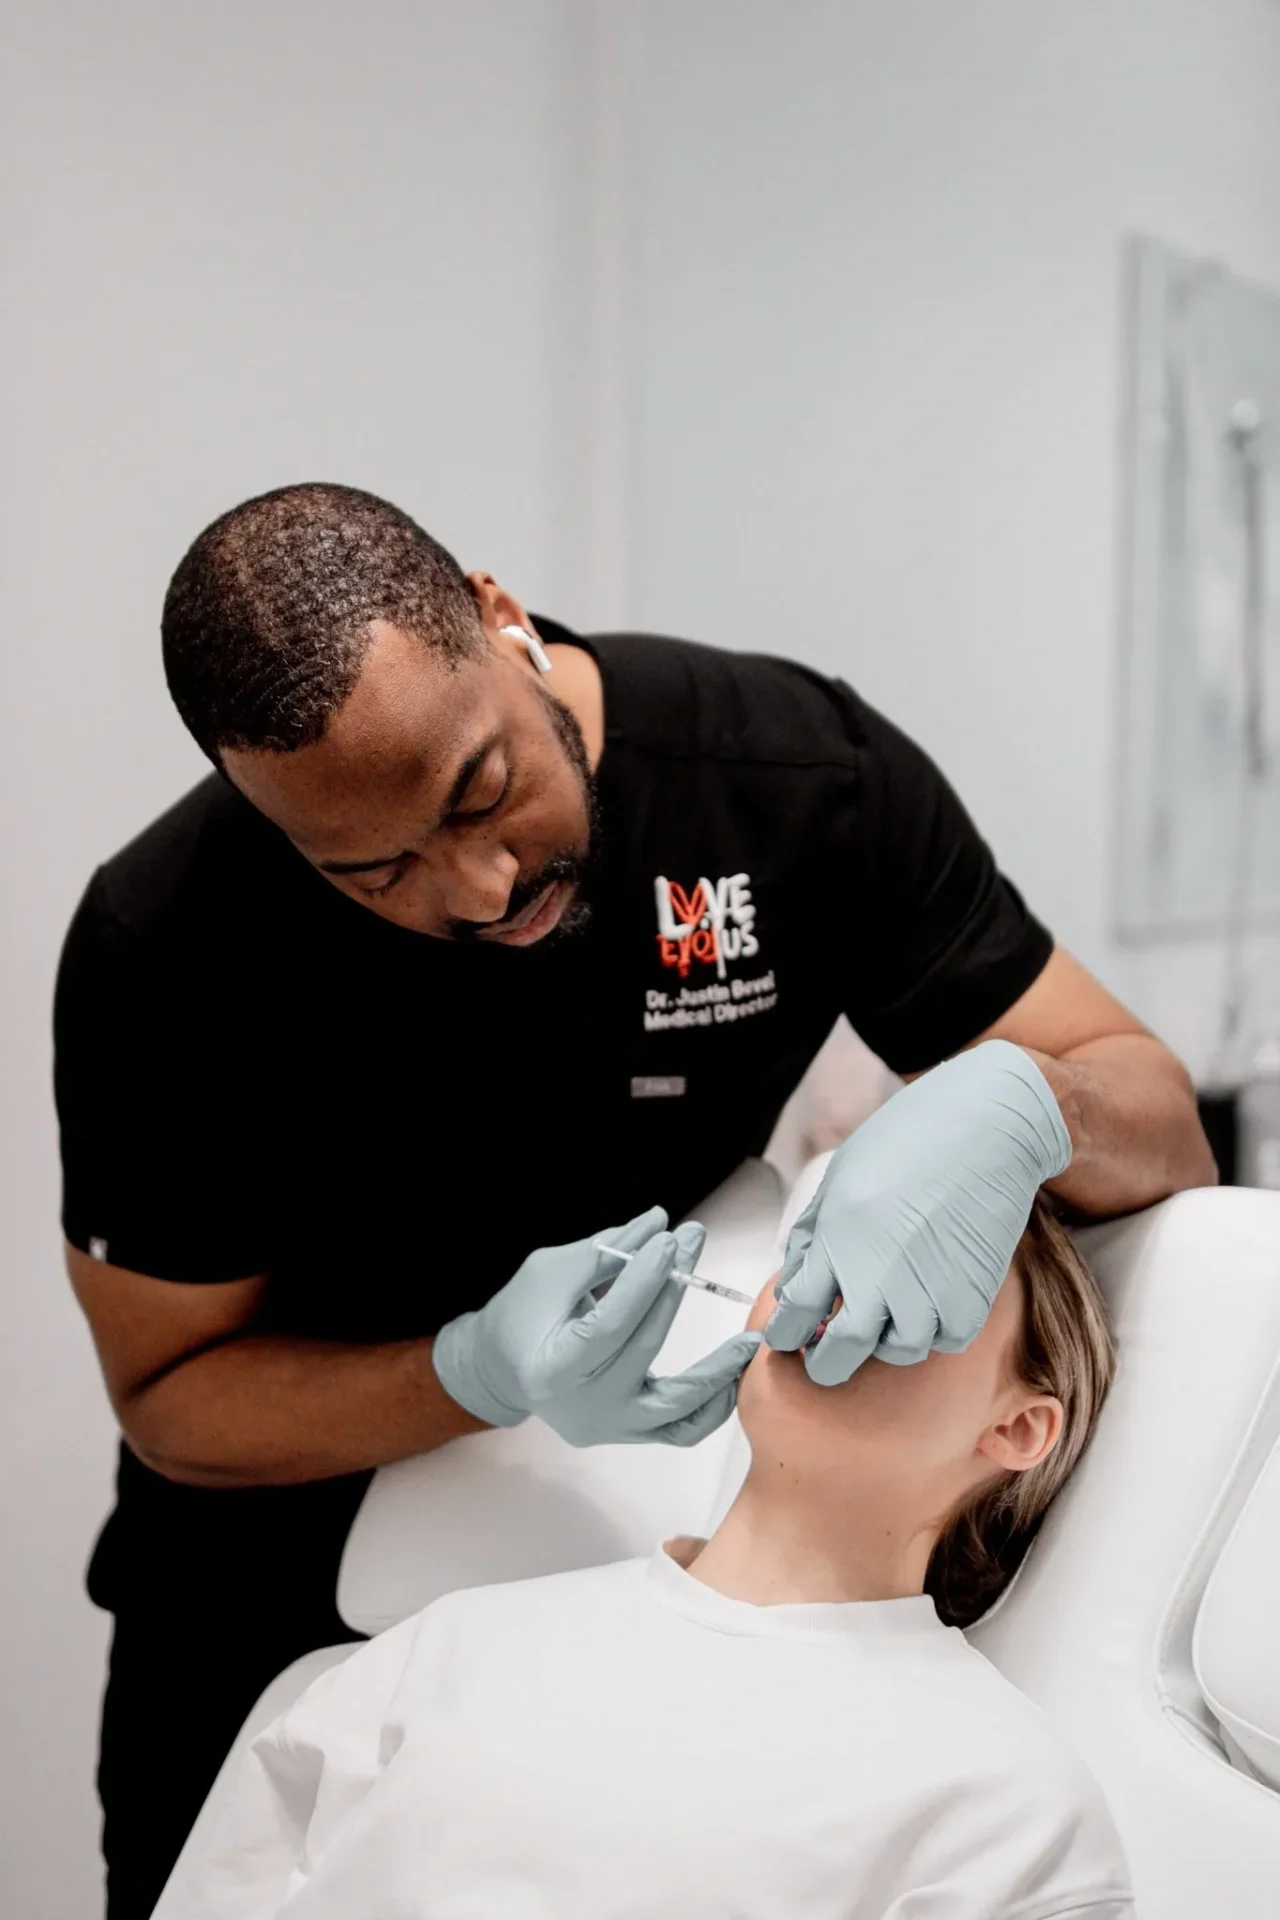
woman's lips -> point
(824, 1323)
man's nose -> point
(477, 883)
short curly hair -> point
(267, 619)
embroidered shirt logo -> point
(711, 924)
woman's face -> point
(932, 1431)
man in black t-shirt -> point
(481, 936)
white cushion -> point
(506, 1505)
(1098, 1630)
(1236, 1648)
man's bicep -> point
(945, 942)
(1063, 1009)
(143, 1327)
(1062, 1013)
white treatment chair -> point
(1146, 1619)
(1100, 1628)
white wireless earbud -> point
(532, 646)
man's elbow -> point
(1196, 1168)
(1191, 1161)
(166, 1453)
(1174, 1116)
(185, 1473)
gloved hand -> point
(919, 1214)
(544, 1345)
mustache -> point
(566, 866)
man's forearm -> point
(267, 1410)
(1130, 1108)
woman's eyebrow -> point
(461, 781)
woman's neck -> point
(784, 1542)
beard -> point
(574, 866)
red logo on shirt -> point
(711, 924)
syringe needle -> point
(687, 1279)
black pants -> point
(214, 1594)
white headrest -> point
(511, 1504)
(1236, 1648)
(1098, 1629)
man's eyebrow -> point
(466, 774)
(461, 781)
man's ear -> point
(498, 608)
(1026, 1438)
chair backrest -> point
(507, 1505)
(1098, 1628)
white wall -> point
(879, 368)
(245, 244)
(872, 320)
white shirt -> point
(625, 1743)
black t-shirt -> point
(255, 1074)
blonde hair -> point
(1066, 1350)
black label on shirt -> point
(658, 1086)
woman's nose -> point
(478, 883)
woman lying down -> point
(781, 1721)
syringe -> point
(688, 1279)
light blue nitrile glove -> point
(919, 1214)
(545, 1345)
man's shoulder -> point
(209, 852)
(680, 698)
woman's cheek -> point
(758, 1318)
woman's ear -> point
(1026, 1437)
